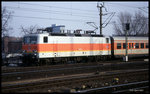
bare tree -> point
(6, 17)
(138, 24)
(120, 26)
(30, 30)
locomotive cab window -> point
(33, 40)
(45, 39)
(30, 40)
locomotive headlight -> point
(35, 51)
(35, 55)
(24, 51)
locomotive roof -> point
(65, 34)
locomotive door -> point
(100, 46)
(72, 46)
(55, 48)
(107, 46)
(91, 46)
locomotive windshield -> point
(30, 40)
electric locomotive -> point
(64, 47)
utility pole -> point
(100, 14)
(126, 57)
(100, 20)
(126, 38)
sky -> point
(72, 14)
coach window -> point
(147, 46)
(45, 39)
(136, 45)
(142, 45)
(124, 45)
(118, 45)
(130, 45)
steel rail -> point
(60, 69)
(7, 87)
(114, 86)
(130, 90)
(83, 76)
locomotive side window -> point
(45, 39)
(118, 45)
(142, 45)
(136, 45)
(107, 40)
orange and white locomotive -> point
(52, 46)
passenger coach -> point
(137, 46)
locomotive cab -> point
(30, 44)
(30, 48)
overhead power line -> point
(143, 9)
(122, 5)
(48, 11)
(59, 7)
(49, 18)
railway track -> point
(121, 88)
(19, 69)
(89, 80)
(51, 72)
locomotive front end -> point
(30, 49)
